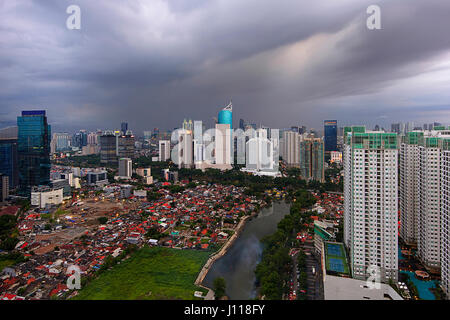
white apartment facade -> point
(429, 203)
(408, 201)
(445, 222)
(291, 148)
(371, 203)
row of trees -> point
(273, 272)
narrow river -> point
(238, 264)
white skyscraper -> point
(164, 150)
(183, 152)
(370, 202)
(222, 148)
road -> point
(314, 281)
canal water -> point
(238, 264)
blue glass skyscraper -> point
(8, 161)
(33, 148)
(330, 132)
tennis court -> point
(336, 265)
(334, 250)
(335, 258)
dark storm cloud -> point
(284, 62)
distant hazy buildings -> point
(370, 202)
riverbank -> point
(221, 253)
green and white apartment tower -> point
(424, 198)
(371, 202)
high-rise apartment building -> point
(370, 202)
(408, 200)
(291, 148)
(421, 194)
(445, 216)
(312, 159)
(33, 150)
(429, 203)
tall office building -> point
(312, 159)
(125, 167)
(164, 150)
(8, 157)
(108, 154)
(445, 223)
(33, 150)
(291, 148)
(124, 127)
(330, 134)
(126, 145)
(226, 115)
(370, 202)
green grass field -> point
(149, 274)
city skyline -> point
(144, 63)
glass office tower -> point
(8, 161)
(330, 132)
(33, 148)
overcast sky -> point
(153, 63)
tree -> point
(102, 220)
(219, 287)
